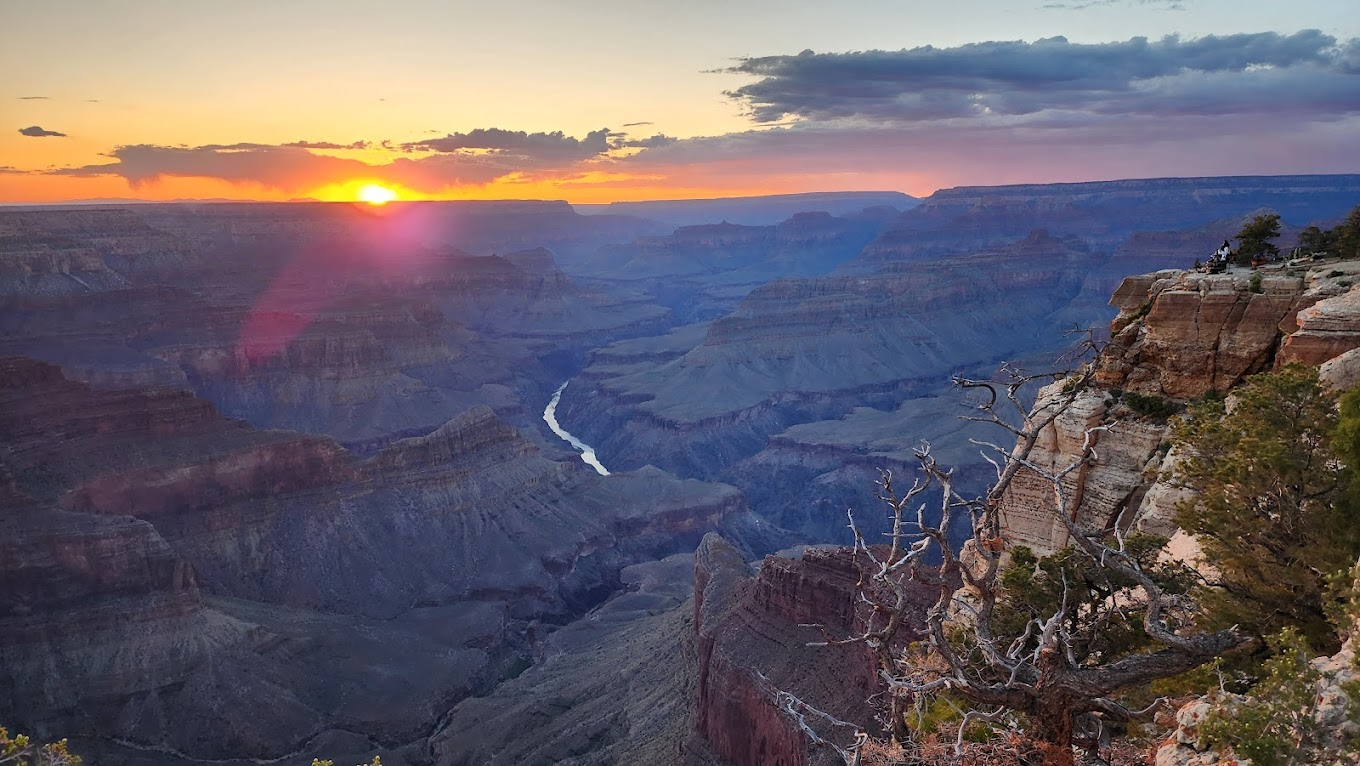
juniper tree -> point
(1270, 510)
(1255, 237)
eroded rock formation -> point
(1178, 336)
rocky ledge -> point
(1178, 335)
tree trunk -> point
(1051, 728)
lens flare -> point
(374, 194)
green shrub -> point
(1275, 725)
(1150, 406)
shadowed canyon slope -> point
(157, 541)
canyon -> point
(279, 482)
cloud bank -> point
(477, 157)
(1308, 74)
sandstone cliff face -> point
(1202, 332)
(1330, 327)
(1178, 336)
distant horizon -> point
(820, 192)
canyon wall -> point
(1178, 336)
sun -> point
(374, 194)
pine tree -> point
(1268, 510)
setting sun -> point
(374, 194)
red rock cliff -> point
(751, 625)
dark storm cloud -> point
(990, 79)
(33, 131)
(533, 146)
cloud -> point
(651, 142)
(327, 145)
(285, 167)
(528, 147)
(35, 98)
(33, 131)
(921, 157)
(991, 80)
(635, 124)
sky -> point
(603, 100)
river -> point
(550, 417)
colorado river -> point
(550, 417)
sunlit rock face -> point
(1201, 332)
(1330, 327)
(1178, 335)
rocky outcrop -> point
(1328, 328)
(1178, 336)
(1331, 715)
(1101, 493)
(1201, 332)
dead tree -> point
(1066, 693)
